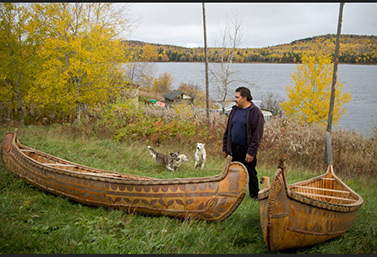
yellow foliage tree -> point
(17, 57)
(163, 83)
(150, 53)
(82, 56)
(309, 98)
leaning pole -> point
(206, 61)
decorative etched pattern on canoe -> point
(334, 222)
(206, 199)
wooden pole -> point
(334, 78)
(206, 61)
(328, 151)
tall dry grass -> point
(180, 128)
(353, 154)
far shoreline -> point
(344, 63)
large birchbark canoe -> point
(206, 198)
(306, 213)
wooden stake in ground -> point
(206, 61)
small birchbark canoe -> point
(306, 213)
(206, 198)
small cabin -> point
(176, 96)
(267, 114)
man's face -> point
(240, 101)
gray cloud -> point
(262, 24)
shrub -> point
(163, 83)
(180, 125)
(120, 113)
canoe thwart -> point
(27, 150)
(321, 189)
(327, 196)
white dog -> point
(182, 158)
(200, 155)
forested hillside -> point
(354, 49)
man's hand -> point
(249, 158)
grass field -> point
(33, 221)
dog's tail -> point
(152, 151)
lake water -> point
(359, 80)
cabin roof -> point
(175, 94)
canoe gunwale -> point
(137, 180)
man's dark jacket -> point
(255, 123)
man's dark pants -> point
(239, 154)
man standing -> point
(243, 134)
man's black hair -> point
(245, 92)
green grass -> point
(33, 221)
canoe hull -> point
(211, 198)
(287, 222)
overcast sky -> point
(262, 24)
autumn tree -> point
(309, 98)
(17, 57)
(163, 83)
(150, 53)
(194, 91)
(82, 56)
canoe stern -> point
(274, 211)
(6, 145)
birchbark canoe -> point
(206, 198)
(308, 212)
